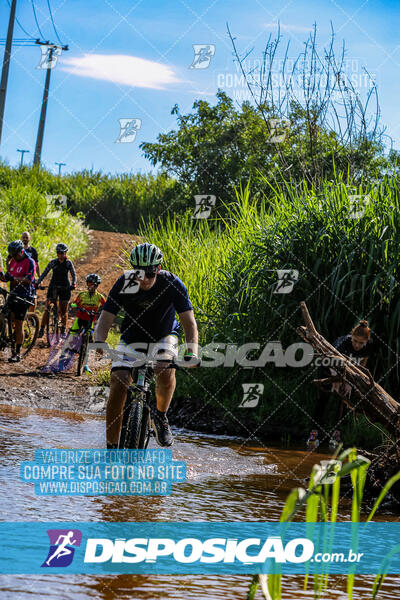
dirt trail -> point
(23, 383)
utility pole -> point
(59, 167)
(22, 156)
(6, 64)
(39, 139)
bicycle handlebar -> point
(6, 293)
(91, 313)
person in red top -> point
(21, 273)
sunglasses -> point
(150, 272)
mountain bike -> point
(7, 335)
(85, 336)
(136, 428)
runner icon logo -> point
(49, 56)
(251, 394)
(286, 280)
(202, 55)
(204, 204)
(128, 130)
(62, 547)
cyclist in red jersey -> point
(20, 273)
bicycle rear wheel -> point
(31, 330)
(135, 422)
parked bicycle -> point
(136, 428)
(7, 334)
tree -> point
(313, 132)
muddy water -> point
(226, 481)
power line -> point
(3, 43)
(52, 20)
(21, 27)
(18, 42)
(37, 22)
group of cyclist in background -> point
(150, 300)
(22, 268)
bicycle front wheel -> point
(31, 330)
(135, 423)
(83, 352)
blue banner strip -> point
(199, 548)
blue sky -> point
(130, 59)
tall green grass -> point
(348, 269)
(200, 251)
(108, 202)
(23, 207)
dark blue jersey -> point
(149, 315)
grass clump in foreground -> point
(321, 503)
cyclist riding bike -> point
(90, 300)
(20, 273)
(60, 286)
(149, 297)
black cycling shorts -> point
(61, 293)
(18, 307)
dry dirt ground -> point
(23, 383)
